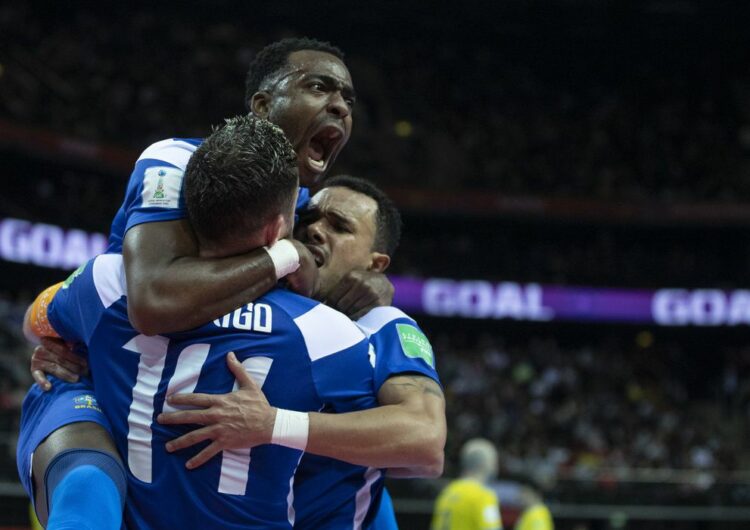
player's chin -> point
(310, 174)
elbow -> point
(144, 316)
(432, 454)
(435, 468)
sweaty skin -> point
(169, 287)
(406, 433)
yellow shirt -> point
(466, 504)
(535, 517)
(33, 520)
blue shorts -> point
(43, 413)
(386, 517)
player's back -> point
(466, 504)
(285, 343)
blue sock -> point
(85, 491)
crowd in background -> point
(447, 113)
(575, 411)
(647, 122)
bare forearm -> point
(386, 437)
(171, 289)
(191, 291)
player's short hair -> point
(240, 177)
(478, 456)
(388, 219)
(275, 56)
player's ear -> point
(379, 262)
(275, 229)
(260, 104)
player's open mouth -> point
(321, 146)
(318, 254)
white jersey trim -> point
(374, 321)
(363, 499)
(109, 278)
(326, 331)
(175, 152)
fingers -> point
(41, 380)
(53, 369)
(194, 417)
(192, 400)
(58, 348)
(343, 287)
(239, 372)
(204, 456)
(189, 439)
(43, 354)
(356, 301)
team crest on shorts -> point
(86, 401)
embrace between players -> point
(183, 322)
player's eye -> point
(317, 86)
(341, 227)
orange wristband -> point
(38, 321)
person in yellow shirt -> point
(535, 515)
(467, 503)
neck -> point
(230, 246)
(476, 475)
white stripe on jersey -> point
(374, 321)
(326, 331)
(109, 278)
(235, 463)
(363, 498)
(172, 151)
(291, 515)
(186, 372)
(153, 351)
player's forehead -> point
(311, 63)
(346, 202)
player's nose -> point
(315, 233)
(337, 105)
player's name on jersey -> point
(252, 317)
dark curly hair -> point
(274, 57)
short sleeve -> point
(399, 345)
(154, 191)
(78, 305)
(490, 513)
(339, 356)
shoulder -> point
(381, 317)
(173, 151)
(486, 495)
(324, 330)
(108, 277)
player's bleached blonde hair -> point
(479, 457)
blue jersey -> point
(336, 495)
(154, 191)
(304, 355)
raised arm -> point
(171, 289)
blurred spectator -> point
(660, 119)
